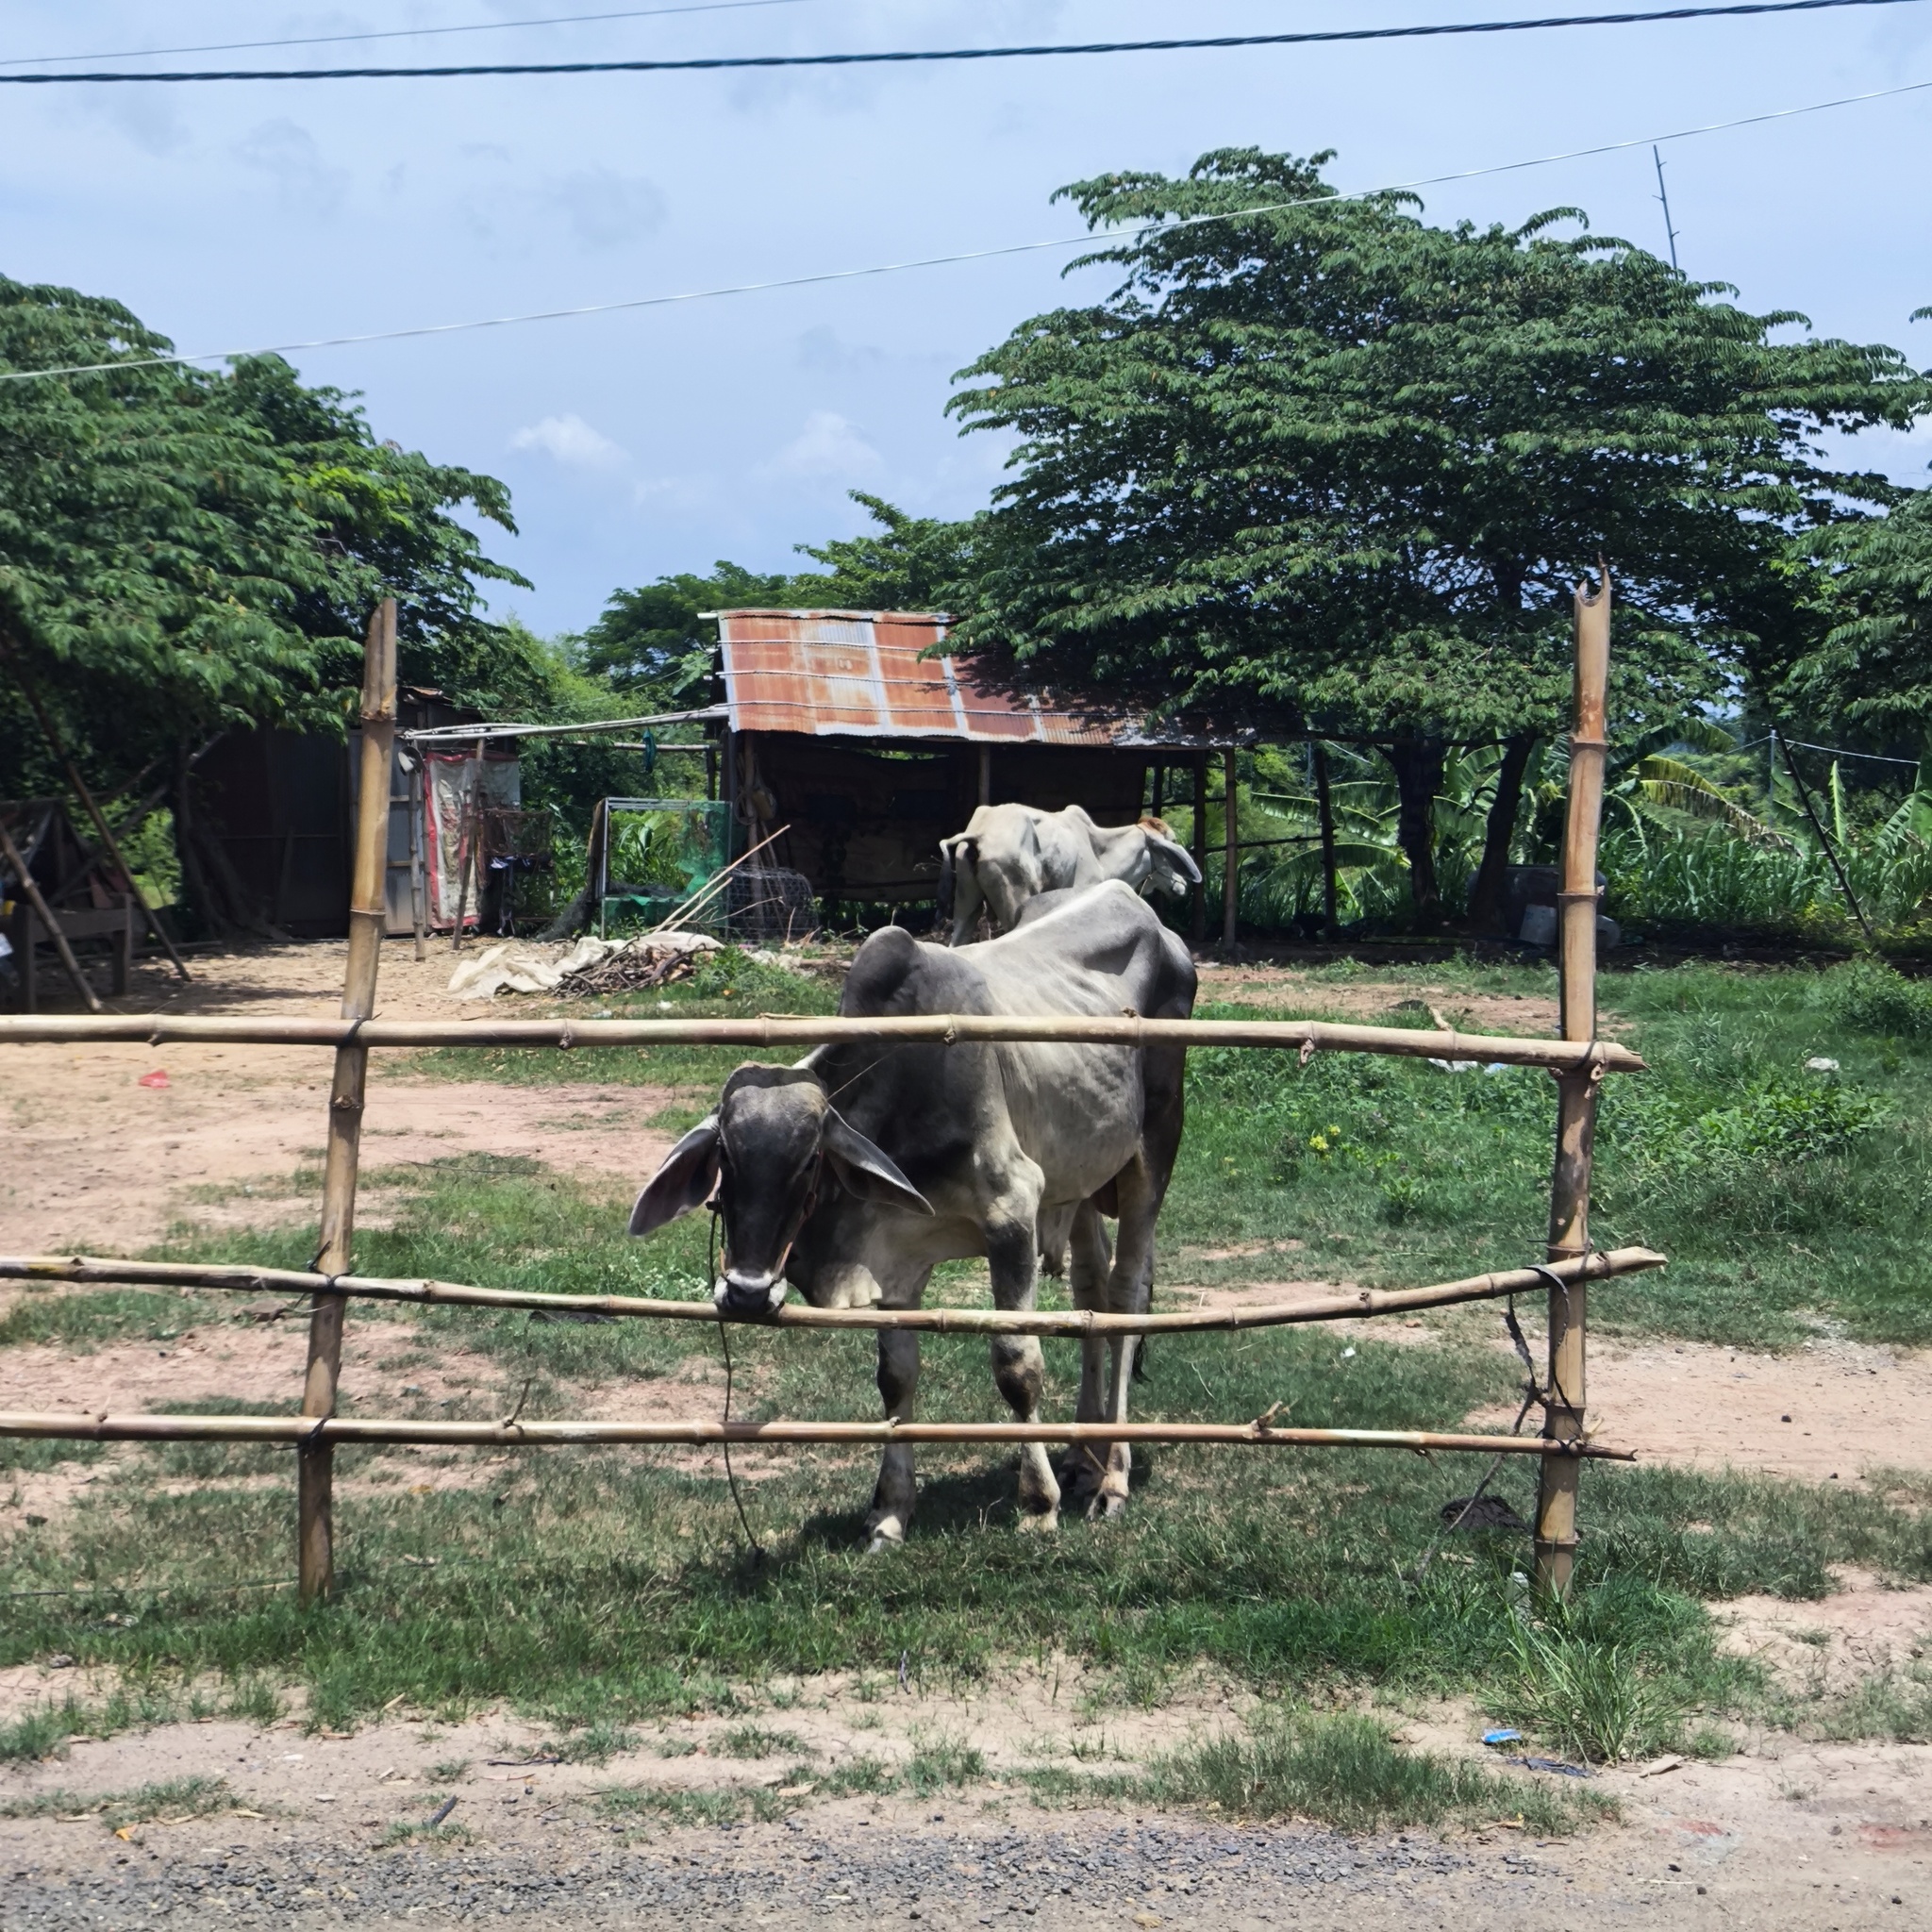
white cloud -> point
(571, 441)
(288, 154)
(828, 448)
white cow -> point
(1009, 853)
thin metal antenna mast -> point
(1664, 194)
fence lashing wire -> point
(1534, 1393)
(756, 1548)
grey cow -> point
(852, 1173)
(1009, 853)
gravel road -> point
(905, 1866)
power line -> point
(404, 33)
(1087, 239)
(1433, 31)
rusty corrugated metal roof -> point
(862, 674)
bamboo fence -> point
(1071, 1323)
(1307, 1037)
(1579, 1061)
(306, 1433)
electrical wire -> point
(1087, 239)
(1434, 30)
(401, 33)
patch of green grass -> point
(176, 1798)
(753, 1741)
(597, 1742)
(1786, 1199)
(936, 1763)
(85, 1318)
(1348, 1770)
(1592, 1701)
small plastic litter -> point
(1819, 1064)
(1551, 1764)
(1506, 1736)
(157, 1078)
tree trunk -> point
(1486, 894)
(1324, 806)
(1417, 763)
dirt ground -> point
(1783, 1834)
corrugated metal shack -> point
(867, 750)
(282, 805)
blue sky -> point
(242, 215)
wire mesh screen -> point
(773, 905)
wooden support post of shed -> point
(30, 891)
(1230, 871)
(1199, 842)
(1576, 1093)
(986, 774)
(78, 785)
(368, 918)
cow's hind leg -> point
(1129, 1290)
(1083, 1464)
(1019, 1370)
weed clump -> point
(1876, 998)
(1348, 1770)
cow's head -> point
(774, 1142)
(1171, 865)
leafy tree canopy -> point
(1871, 669)
(1328, 465)
(654, 646)
(905, 563)
(182, 551)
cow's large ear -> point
(1176, 855)
(684, 1181)
(864, 1171)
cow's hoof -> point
(1040, 1523)
(885, 1535)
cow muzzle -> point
(749, 1295)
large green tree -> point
(185, 552)
(1318, 465)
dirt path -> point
(97, 1162)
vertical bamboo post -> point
(1576, 1093)
(368, 918)
(1231, 851)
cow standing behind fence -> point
(852, 1175)
(1009, 853)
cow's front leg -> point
(1019, 1370)
(1129, 1291)
(892, 1500)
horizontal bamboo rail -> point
(307, 1430)
(1306, 1036)
(1074, 1322)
